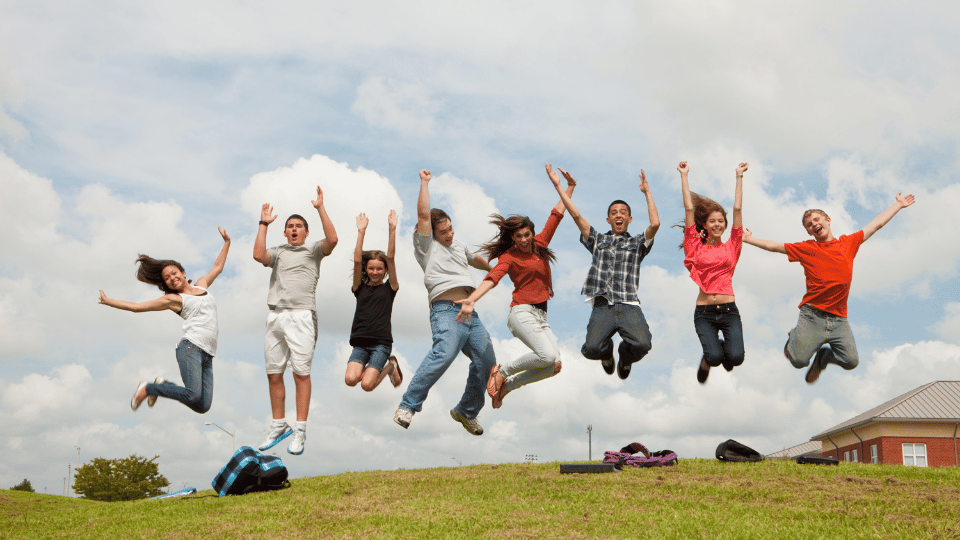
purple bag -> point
(637, 455)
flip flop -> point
(396, 378)
(492, 386)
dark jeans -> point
(713, 320)
(625, 319)
(196, 370)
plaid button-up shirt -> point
(615, 271)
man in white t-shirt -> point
(446, 275)
(292, 320)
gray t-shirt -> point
(296, 269)
(444, 268)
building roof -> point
(802, 449)
(932, 402)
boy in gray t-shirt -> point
(446, 274)
(292, 320)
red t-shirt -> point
(828, 267)
(529, 273)
(711, 267)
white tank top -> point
(200, 321)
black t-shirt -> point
(371, 322)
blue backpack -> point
(249, 471)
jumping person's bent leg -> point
(479, 349)
(190, 359)
(633, 328)
(376, 369)
(600, 329)
(807, 337)
(732, 329)
(448, 338)
(704, 320)
(843, 348)
(530, 326)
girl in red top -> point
(526, 259)
(711, 263)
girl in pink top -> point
(526, 259)
(711, 263)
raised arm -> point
(218, 264)
(424, 226)
(565, 198)
(260, 244)
(392, 221)
(329, 233)
(466, 305)
(687, 199)
(884, 218)
(362, 223)
(171, 301)
(651, 209)
(738, 196)
(768, 245)
(571, 184)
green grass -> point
(697, 499)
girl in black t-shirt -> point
(370, 336)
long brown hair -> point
(503, 241)
(150, 271)
(702, 208)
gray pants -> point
(816, 328)
(530, 326)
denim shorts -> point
(375, 356)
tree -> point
(125, 479)
(23, 486)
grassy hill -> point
(696, 499)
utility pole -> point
(68, 473)
(590, 442)
(78, 468)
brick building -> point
(918, 428)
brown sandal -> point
(396, 377)
(493, 385)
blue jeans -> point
(607, 319)
(816, 328)
(720, 318)
(449, 339)
(196, 370)
(530, 326)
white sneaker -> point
(296, 445)
(469, 424)
(276, 434)
(403, 417)
(152, 400)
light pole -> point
(78, 468)
(225, 431)
(590, 442)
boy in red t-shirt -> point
(828, 266)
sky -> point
(130, 128)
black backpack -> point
(731, 450)
(249, 471)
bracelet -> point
(264, 223)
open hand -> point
(905, 201)
(319, 202)
(362, 222)
(644, 186)
(223, 233)
(392, 220)
(266, 213)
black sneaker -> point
(608, 365)
(623, 369)
(702, 373)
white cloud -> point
(949, 326)
(400, 106)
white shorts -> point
(291, 339)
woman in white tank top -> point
(198, 345)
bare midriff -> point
(705, 299)
(456, 293)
